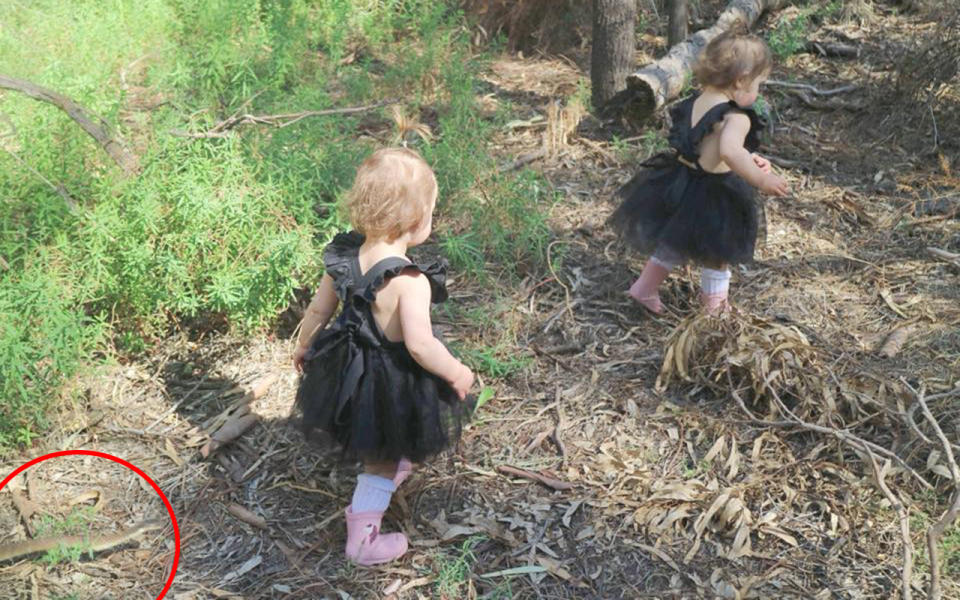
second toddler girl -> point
(698, 204)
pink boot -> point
(714, 304)
(366, 545)
(644, 289)
(404, 469)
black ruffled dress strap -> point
(339, 260)
(393, 266)
(685, 138)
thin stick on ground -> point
(935, 592)
(903, 514)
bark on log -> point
(102, 132)
(663, 80)
(614, 45)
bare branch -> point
(222, 129)
(904, 515)
(99, 129)
(948, 518)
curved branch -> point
(102, 132)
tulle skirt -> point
(375, 400)
(706, 218)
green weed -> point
(789, 36)
(453, 573)
(495, 361)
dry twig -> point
(222, 129)
(948, 518)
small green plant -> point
(66, 554)
(789, 36)
(502, 591)
(75, 523)
(950, 548)
(652, 142)
(507, 225)
(495, 361)
(465, 252)
(687, 88)
(624, 152)
(453, 573)
(485, 395)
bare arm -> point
(427, 350)
(734, 132)
(316, 317)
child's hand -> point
(774, 185)
(462, 384)
(298, 357)
(761, 162)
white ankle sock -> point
(372, 493)
(713, 281)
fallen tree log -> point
(650, 87)
(102, 132)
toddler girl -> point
(378, 380)
(698, 204)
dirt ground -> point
(678, 490)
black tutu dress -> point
(364, 390)
(708, 218)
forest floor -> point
(674, 492)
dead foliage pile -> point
(758, 360)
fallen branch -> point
(812, 89)
(547, 481)
(805, 97)
(103, 133)
(247, 516)
(833, 49)
(906, 574)
(949, 257)
(222, 129)
(524, 160)
(950, 515)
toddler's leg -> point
(644, 289)
(365, 544)
(403, 470)
(715, 287)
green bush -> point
(44, 338)
(219, 230)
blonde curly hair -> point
(391, 194)
(732, 56)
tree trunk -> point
(614, 45)
(102, 132)
(677, 31)
(663, 80)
